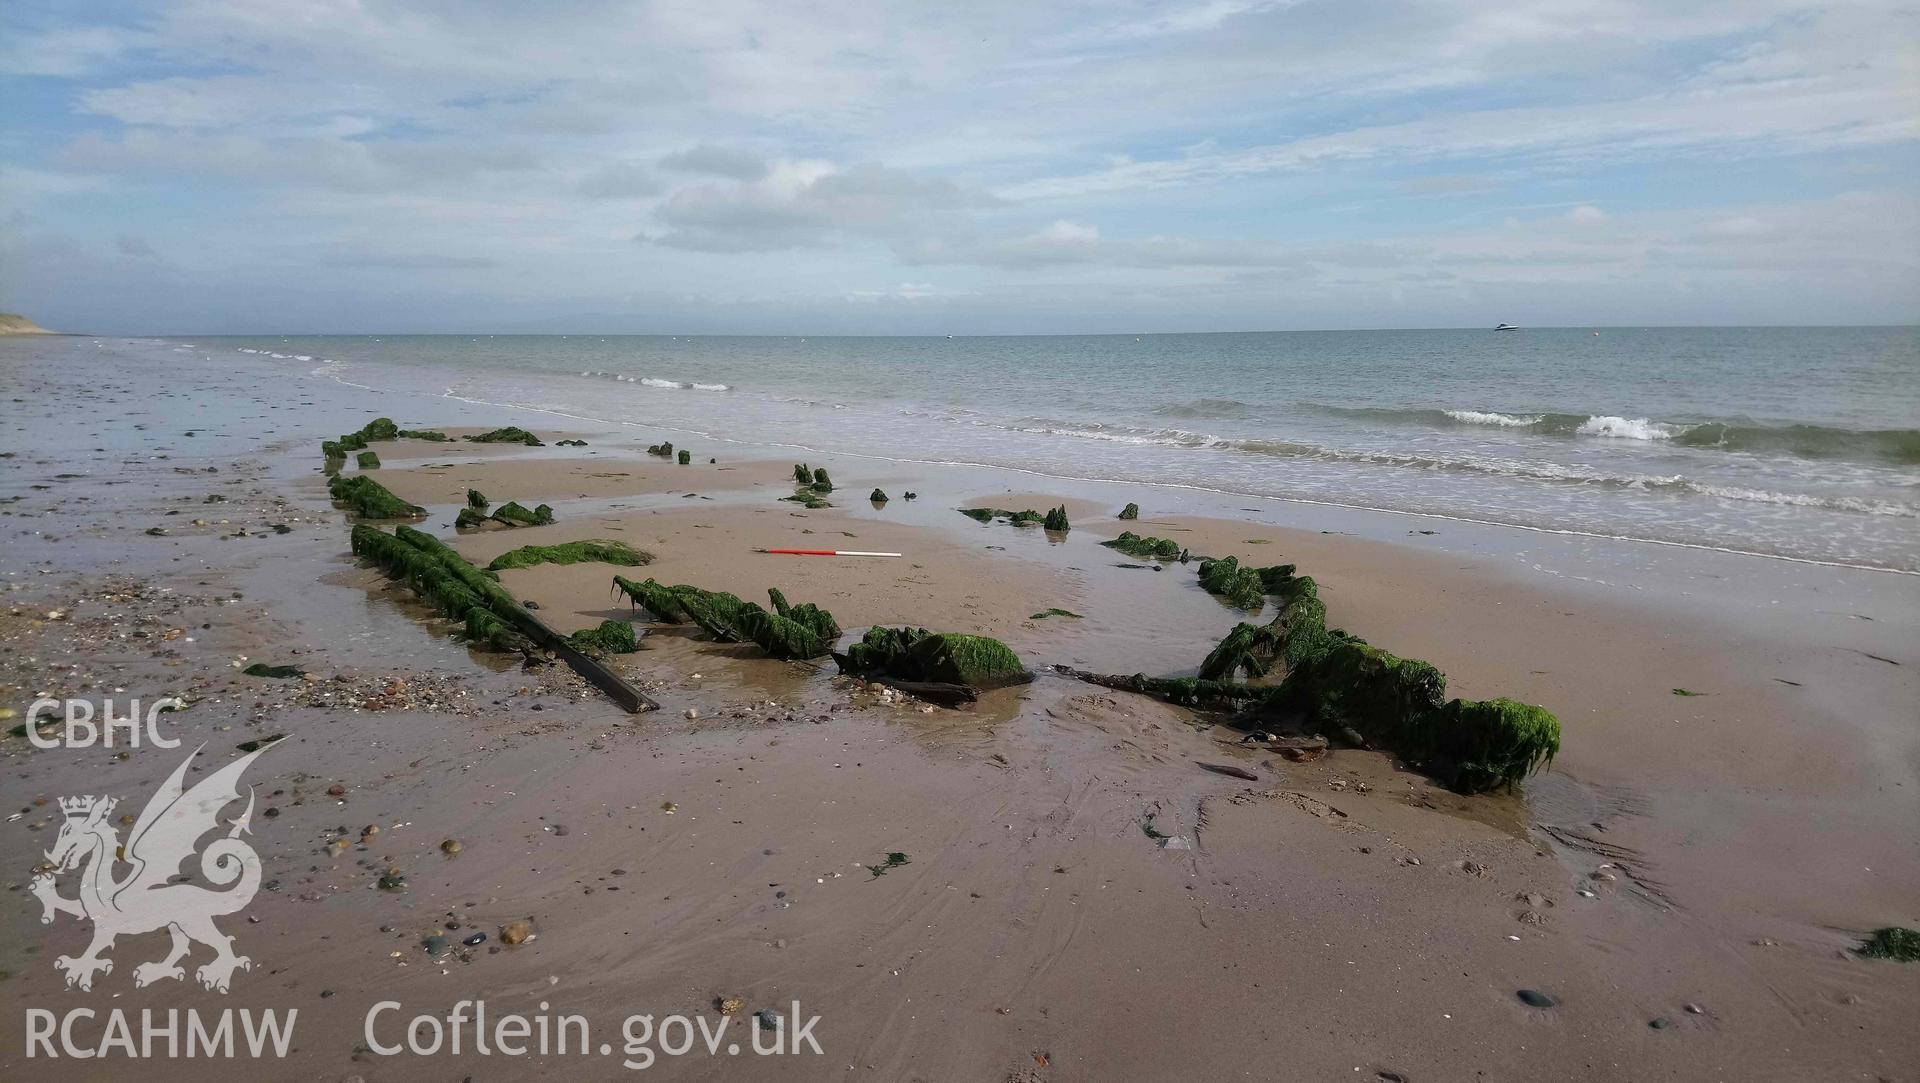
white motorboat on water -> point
(1506, 327)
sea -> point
(1792, 442)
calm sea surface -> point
(1792, 441)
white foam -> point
(1624, 428)
(1489, 417)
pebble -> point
(1695, 1009)
(475, 940)
(438, 945)
(1534, 998)
(336, 790)
(1661, 1023)
(450, 846)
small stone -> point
(1661, 1023)
(475, 940)
(561, 829)
(336, 790)
(1695, 1009)
(1534, 998)
(691, 713)
(450, 847)
(438, 945)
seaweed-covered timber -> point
(512, 434)
(916, 655)
(878, 496)
(367, 460)
(821, 482)
(813, 501)
(513, 513)
(569, 443)
(664, 450)
(477, 499)
(1056, 520)
(573, 552)
(1131, 511)
(802, 474)
(1183, 691)
(1149, 548)
(490, 614)
(685, 456)
(371, 500)
(1341, 683)
(789, 632)
(380, 428)
(470, 518)
(1017, 518)
(1241, 586)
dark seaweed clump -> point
(1151, 548)
(512, 434)
(915, 654)
(1131, 511)
(1893, 942)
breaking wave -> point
(654, 381)
(1900, 446)
(1535, 470)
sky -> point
(722, 166)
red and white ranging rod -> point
(822, 553)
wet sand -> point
(1339, 918)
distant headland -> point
(11, 324)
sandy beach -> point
(1075, 898)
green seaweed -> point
(476, 499)
(802, 474)
(1131, 511)
(1248, 647)
(664, 450)
(261, 669)
(574, 552)
(878, 496)
(512, 434)
(789, 632)
(1149, 548)
(422, 434)
(513, 514)
(685, 457)
(611, 637)
(1052, 611)
(371, 500)
(813, 501)
(1687, 692)
(915, 654)
(367, 460)
(470, 518)
(1482, 744)
(569, 443)
(984, 515)
(894, 861)
(1056, 520)
(1893, 942)
(821, 482)
(1240, 586)
(380, 428)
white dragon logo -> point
(144, 900)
